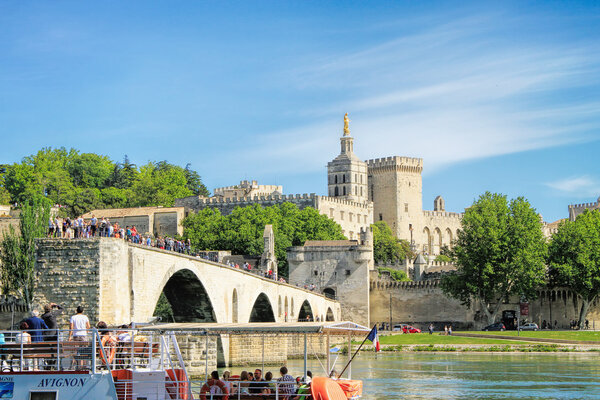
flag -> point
(374, 338)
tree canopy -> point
(242, 230)
(387, 248)
(574, 258)
(499, 252)
(85, 181)
(17, 251)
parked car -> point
(531, 326)
(498, 326)
(410, 329)
(399, 327)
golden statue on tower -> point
(346, 125)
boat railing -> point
(88, 350)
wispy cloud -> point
(581, 186)
(450, 93)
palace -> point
(359, 193)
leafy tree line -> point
(17, 251)
(242, 230)
(500, 253)
(85, 181)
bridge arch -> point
(188, 297)
(262, 311)
(306, 312)
(286, 314)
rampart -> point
(421, 303)
(397, 163)
(576, 209)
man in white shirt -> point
(79, 326)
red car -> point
(410, 329)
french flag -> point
(374, 338)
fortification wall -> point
(68, 271)
(422, 303)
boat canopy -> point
(326, 328)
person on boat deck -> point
(80, 323)
(51, 311)
(244, 383)
(23, 337)
(258, 384)
(286, 384)
(36, 324)
(215, 389)
(227, 380)
(303, 390)
(269, 387)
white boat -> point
(149, 367)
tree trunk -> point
(491, 316)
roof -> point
(332, 328)
(331, 243)
(130, 212)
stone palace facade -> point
(359, 193)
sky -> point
(498, 96)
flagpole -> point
(356, 352)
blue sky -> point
(503, 96)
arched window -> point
(344, 178)
(335, 176)
(344, 190)
(337, 191)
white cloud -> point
(582, 186)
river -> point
(473, 376)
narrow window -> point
(405, 207)
(380, 217)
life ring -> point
(214, 382)
(109, 347)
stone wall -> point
(341, 269)
(422, 303)
(6, 223)
(157, 221)
(576, 209)
(67, 273)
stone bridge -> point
(119, 282)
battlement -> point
(256, 199)
(388, 284)
(584, 205)
(406, 164)
(442, 214)
(365, 205)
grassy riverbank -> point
(561, 335)
(437, 339)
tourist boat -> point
(144, 364)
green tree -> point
(4, 193)
(387, 248)
(499, 253)
(194, 182)
(242, 230)
(17, 252)
(396, 275)
(574, 258)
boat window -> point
(42, 395)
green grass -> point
(566, 335)
(427, 339)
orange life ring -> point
(109, 347)
(210, 383)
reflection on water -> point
(474, 376)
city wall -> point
(422, 303)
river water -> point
(473, 376)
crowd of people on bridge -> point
(79, 228)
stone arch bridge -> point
(119, 282)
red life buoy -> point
(110, 349)
(214, 382)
